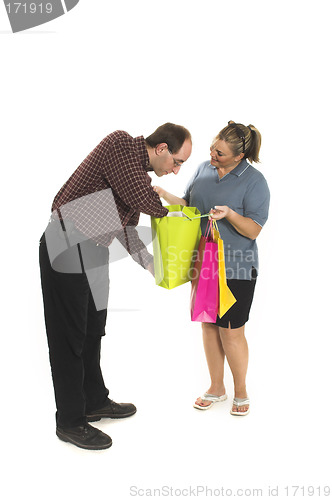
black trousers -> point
(74, 329)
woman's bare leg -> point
(215, 357)
(236, 350)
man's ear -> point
(161, 147)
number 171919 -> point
(29, 8)
(310, 491)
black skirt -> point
(238, 314)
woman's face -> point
(222, 156)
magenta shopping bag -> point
(205, 285)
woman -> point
(240, 198)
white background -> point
(134, 65)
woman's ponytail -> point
(255, 141)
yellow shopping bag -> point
(226, 298)
(175, 241)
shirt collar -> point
(239, 169)
(142, 152)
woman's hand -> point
(220, 212)
(160, 191)
(244, 225)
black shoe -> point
(112, 410)
(85, 436)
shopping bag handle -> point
(208, 229)
(198, 217)
(215, 226)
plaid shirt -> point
(107, 192)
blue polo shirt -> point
(245, 190)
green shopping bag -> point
(175, 241)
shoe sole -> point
(67, 439)
(199, 407)
(91, 418)
(239, 413)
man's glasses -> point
(240, 135)
(176, 163)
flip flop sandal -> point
(240, 402)
(212, 398)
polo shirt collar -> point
(240, 168)
(142, 152)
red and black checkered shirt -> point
(107, 192)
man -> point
(101, 201)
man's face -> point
(165, 162)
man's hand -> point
(160, 191)
(170, 198)
(150, 268)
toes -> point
(240, 409)
(200, 402)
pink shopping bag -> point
(205, 283)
